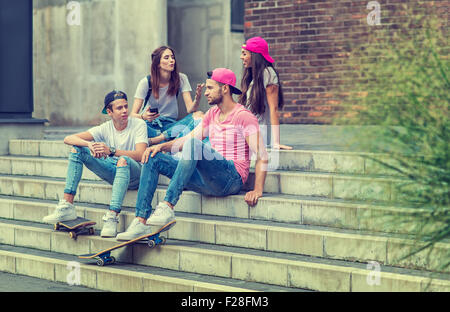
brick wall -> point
(311, 40)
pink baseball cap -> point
(258, 45)
(226, 76)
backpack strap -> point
(149, 92)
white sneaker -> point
(135, 230)
(110, 221)
(64, 211)
(162, 215)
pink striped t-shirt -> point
(228, 137)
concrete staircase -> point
(321, 226)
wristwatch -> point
(113, 151)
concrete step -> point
(244, 264)
(314, 241)
(329, 185)
(59, 133)
(271, 207)
(304, 160)
(60, 267)
(309, 231)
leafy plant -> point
(403, 90)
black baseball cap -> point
(112, 96)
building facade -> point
(82, 49)
(311, 41)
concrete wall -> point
(76, 65)
(199, 31)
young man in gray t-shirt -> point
(113, 151)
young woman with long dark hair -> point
(261, 89)
(166, 84)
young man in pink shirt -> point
(217, 168)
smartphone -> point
(154, 110)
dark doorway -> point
(16, 70)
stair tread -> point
(297, 148)
(128, 267)
(296, 172)
(264, 255)
(275, 196)
(235, 221)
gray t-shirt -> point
(270, 78)
(167, 105)
(134, 133)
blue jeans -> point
(160, 124)
(171, 128)
(121, 178)
(183, 127)
(200, 169)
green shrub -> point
(403, 89)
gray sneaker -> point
(64, 211)
(162, 215)
(135, 230)
(110, 221)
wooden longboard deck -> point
(162, 229)
(74, 224)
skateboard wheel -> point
(151, 243)
(163, 240)
(113, 260)
(91, 231)
(100, 262)
(56, 227)
(73, 235)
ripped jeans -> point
(200, 169)
(121, 178)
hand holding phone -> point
(150, 114)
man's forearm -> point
(75, 140)
(260, 175)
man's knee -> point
(151, 162)
(75, 149)
(79, 154)
(79, 151)
(122, 162)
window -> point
(237, 15)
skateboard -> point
(76, 227)
(104, 257)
